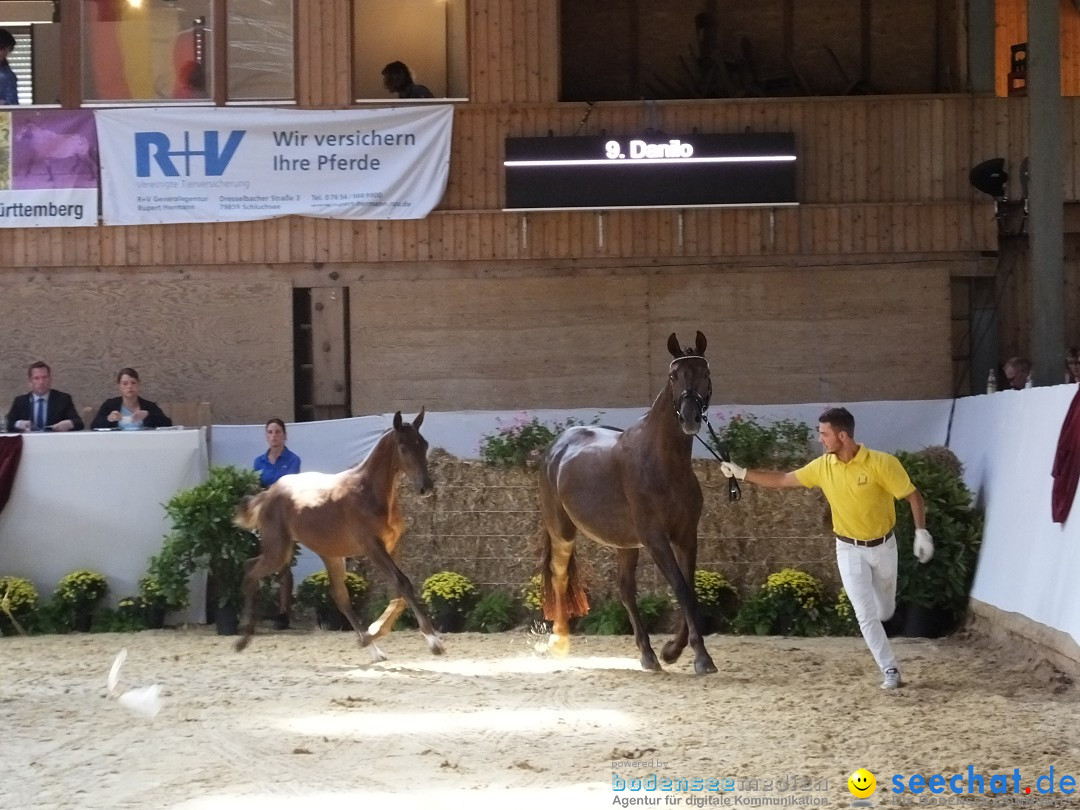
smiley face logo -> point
(862, 784)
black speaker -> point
(990, 177)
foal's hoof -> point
(704, 666)
(671, 651)
(242, 642)
(435, 645)
(282, 622)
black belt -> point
(877, 541)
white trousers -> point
(869, 577)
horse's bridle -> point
(702, 402)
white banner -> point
(167, 165)
(48, 169)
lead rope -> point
(733, 490)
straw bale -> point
(484, 523)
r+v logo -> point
(157, 148)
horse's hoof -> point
(281, 622)
(241, 643)
(559, 646)
(377, 655)
(671, 652)
(704, 667)
(435, 645)
(650, 664)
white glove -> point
(732, 470)
(923, 546)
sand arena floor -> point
(300, 720)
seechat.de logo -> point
(157, 149)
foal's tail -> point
(577, 603)
(246, 515)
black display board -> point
(650, 172)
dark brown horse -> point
(627, 490)
(346, 514)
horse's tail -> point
(577, 603)
(246, 514)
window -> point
(163, 50)
(427, 35)
(147, 50)
(260, 50)
(30, 22)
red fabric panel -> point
(10, 453)
(1066, 470)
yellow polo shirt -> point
(862, 493)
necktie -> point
(39, 416)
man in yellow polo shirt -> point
(862, 487)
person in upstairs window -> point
(9, 82)
(397, 78)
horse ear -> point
(701, 343)
(419, 420)
(673, 346)
(397, 421)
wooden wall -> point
(843, 297)
(775, 335)
(225, 339)
(1011, 29)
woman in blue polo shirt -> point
(278, 460)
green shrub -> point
(313, 592)
(521, 442)
(843, 621)
(608, 618)
(532, 595)
(77, 596)
(791, 602)
(129, 617)
(779, 445)
(18, 601)
(716, 600)
(654, 610)
(956, 525)
(204, 536)
(493, 613)
(448, 592)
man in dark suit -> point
(43, 408)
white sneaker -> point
(892, 679)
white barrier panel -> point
(1028, 564)
(95, 500)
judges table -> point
(95, 500)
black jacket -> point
(155, 417)
(58, 408)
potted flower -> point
(449, 597)
(18, 600)
(153, 601)
(716, 599)
(790, 603)
(203, 536)
(844, 622)
(314, 593)
(76, 596)
(532, 598)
